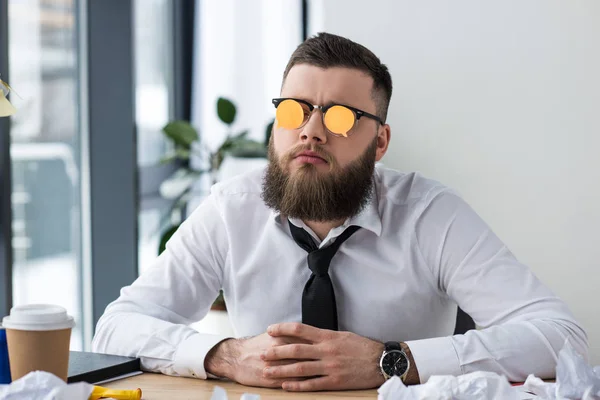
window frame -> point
(111, 134)
(6, 292)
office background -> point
(498, 100)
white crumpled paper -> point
(40, 385)
(221, 394)
(575, 380)
(473, 386)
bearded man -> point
(337, 273)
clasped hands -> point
(299, 357)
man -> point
(337, 273)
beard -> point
(311, 195)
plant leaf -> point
(165, 238)
(168, 158)
(249, 153)
(182, 153)
(226, 110)
(241, 135)
(226, 144)
(233, 141)
(247, 148)
(182, 133)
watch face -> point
(394, 363)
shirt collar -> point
(369, 218)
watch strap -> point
(389, 346)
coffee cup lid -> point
(38, 317)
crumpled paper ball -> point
(575, 380)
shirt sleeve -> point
(150, 318)
(523, 325)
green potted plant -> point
(185, 143)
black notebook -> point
(97, 367)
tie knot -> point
(319, 258)
(318, 261)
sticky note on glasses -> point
(339, 120)
(290, 114)
(6, 109)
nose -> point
(314, 130)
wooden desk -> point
(156, 386)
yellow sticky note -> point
(100, 392)
(6, 108)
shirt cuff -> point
(190, 354)
(435, 356)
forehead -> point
(322, 86)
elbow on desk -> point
(113, 337)
(101, 342)
(557, 332)
(576, 336)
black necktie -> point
(318, 298)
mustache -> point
(319, 151)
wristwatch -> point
(394, 361)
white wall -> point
(500, 100)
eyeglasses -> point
(339, 119)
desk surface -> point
(156, 386)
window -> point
(74, 230)
(154, 93)
(153, 37)
(242, 49)
(76, 197)
(46, 226)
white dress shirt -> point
(421, 251)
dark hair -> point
(326, 50)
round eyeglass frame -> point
(358, 113)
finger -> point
(292, 351)
(298, 330)
(311, 385)
(277, 363)
(283, 340)
(300, 369)
(270, 383)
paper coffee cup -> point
(38, 337)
